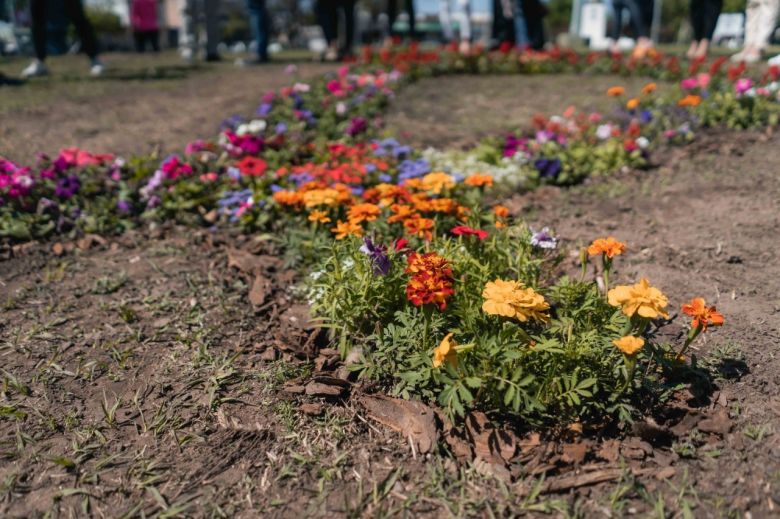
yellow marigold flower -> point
(632, 103)
(642, 299)
(319, 216)
(363, 213)
(609, 246)
(315, 197)
(479, 180)
(616, 91)
(437, 182)
(510, 299)
(649, 88)
(629, 344)
(445, 352)
(344, 229)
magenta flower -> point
(742, 85)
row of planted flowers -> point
(448, 298)
(324, 132)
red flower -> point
(400, 244)
(465, 230)
(252, 166)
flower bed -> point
(447, 298)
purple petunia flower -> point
(123, 206)
(548, 168)
(543, 239)
(356, 126)
(67, 186)
(378, 256)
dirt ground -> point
(139, 380)
(143, 103)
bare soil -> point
(144, 103)
(138, 379)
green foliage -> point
(561, 371)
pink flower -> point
(742, 85)
(689, 83)
(703, 79)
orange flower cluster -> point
(702, 315)
(431, 281)
(608, 246)
(690, 100)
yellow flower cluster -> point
(511, 299)
(639, 299)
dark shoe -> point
(213, 58)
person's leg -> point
(412, 19)
(138, 39)
(75, 11)
(711, 12)
(38, 15)
(617, 25)
(212, 29)
(766, 22)
(696, 14)
(464, 13)
(521, 29)
(392, 15)
(155, 37)
(445, 20)
(258, 21)
(349, 26)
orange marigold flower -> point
(420, 227)
(430, 262)
(479, 180)
(443, 205)
(437, 182)
(609, 246)
(289, 198)
(702, 315)
(344, 229)
(629, 344)
(319, 216)
(690, 100)
(445, 352)
(400, 212)
(616, 91)
(501, 211)
(641, 298)
(632, 103)
(363, 213)
(649, 88)
(500, 225)
(431, 281)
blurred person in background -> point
(704, 16)
(637, 13)
(143, 19)
(193, 11)
(522, 40)
(502, 31)
(534, 12)
(759, 24)
(260, 24)
(447, 15)
(328, 14)
(392, 15)
(74, 9)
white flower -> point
(341, 108)
(642, 142)
(301, 87)
(604, 131)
